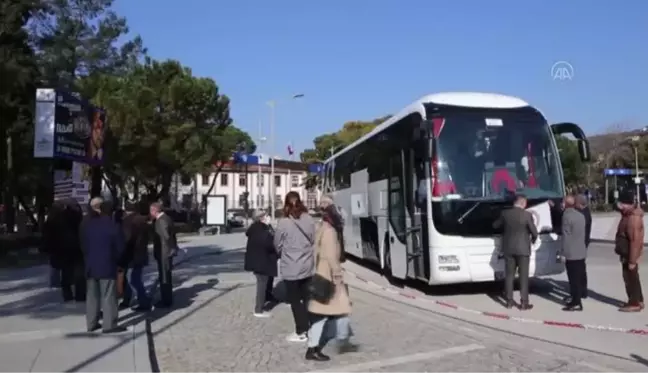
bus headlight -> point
(448, 259)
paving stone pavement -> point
(212, 329)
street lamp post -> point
(272, 104)
(259, 174)
(635, 142)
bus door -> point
(398, 242)
(419, 259)
(404, 235)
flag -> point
(291, 151)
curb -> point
(500, 316)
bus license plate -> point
(499, 275)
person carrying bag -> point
(329, 299)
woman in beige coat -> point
(328, 243)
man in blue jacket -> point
(102, 243)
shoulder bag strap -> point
(302, 231)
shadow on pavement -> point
(562, 287)
(639, 359)
(199, 261)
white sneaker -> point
(294, 337)
(262, 315)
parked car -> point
(235, 220)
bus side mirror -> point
(584, 150)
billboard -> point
(68, 127)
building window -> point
(242, 200)
(294, 181)
(242, 180)
(277, 180)
(204, 179)
(260, 201)
(260, 180)
(311, 200)
(224, 179)
(278, 201)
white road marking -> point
(430, 355)
(31, 335)
(595, 367)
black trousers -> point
(519, 264)
(576, 274)
(73, 282)
(632, 284)
(297, 293)
(166, 285)
(263, 291)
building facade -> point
(235, 180)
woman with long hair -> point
(335, 311)
(294, 241)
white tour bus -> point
(420, 192)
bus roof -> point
(465, 99)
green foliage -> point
(163, 120)
(18, 73)
(574, 170)
(80, 38)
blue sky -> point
(361, 59)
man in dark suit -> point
(135, 257)
(582, 206)
(518, 233)
(102, 243)
(165, 248)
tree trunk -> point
(165, 187)
(213, 183)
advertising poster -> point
(67, 127)
(79, 133)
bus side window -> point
(342, 175)
(375, 160)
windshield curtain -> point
(485, 157)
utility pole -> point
(272, 162)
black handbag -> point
(320, 289)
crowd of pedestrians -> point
(309, 257)
(100, 255)
(519, 233)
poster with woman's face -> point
(97, 135)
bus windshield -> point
(482, 158)
(489, 155)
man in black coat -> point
(164, 249)
(61, 242)
(102, 243)
(261, 259)
(518, 233)
(582, 206)
(136, 237)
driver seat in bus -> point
(499, 178)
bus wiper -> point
(468, 212)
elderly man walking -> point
(574, 250)
(102, 243)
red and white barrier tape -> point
(501, 316)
